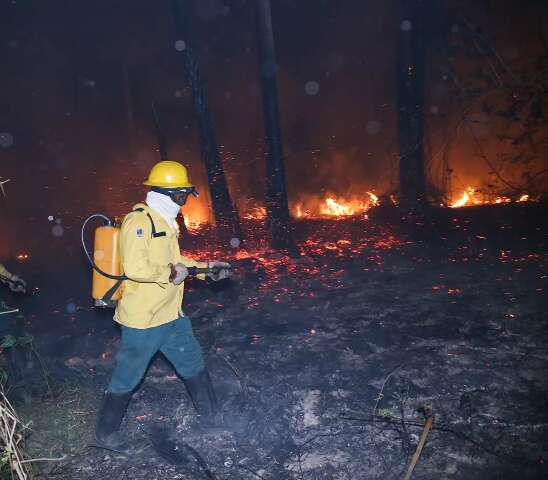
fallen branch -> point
(427, 410)
(373, 419)
(31, 460)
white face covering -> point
(165, 207)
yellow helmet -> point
(168, 174)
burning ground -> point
(321, 361)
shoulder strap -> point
(107, 297)
(155, 234)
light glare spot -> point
(6, 139)
(312, 87)
(373, 127)
(57, 231)
(180, 45)
(406, 25)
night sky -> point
(74, 73)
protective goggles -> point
(178, 195)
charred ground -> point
(326, 356)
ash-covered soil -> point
(322, 361)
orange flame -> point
(463, 200)
(336, 207)
(299, 212)
(193, 225)
(197, 215)
(256, 213)
(469, 198)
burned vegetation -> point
(325, 363)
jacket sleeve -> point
(4, 272)
(135, 254)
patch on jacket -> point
(139, 232)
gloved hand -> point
(178, 273)
(17, 284)
(221, 270)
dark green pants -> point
(174, 339)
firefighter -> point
(149, 310)
(15, 284)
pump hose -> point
(193, 271)
(92, 263)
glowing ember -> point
(22, 257)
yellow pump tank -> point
(106, 257)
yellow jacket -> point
(148, 298)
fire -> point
(196, 218)
(299, 212)
(193, 225)
(470, 197)
(256, 213)
(336, 207)
(22, 257)
(196, 215)
(373, 198)
(464, 199)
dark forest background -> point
(78, 79)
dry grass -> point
(12, 441)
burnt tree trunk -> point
(276, 194)
(224, 210)
(414, 15)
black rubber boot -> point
(204, 398)
(109, 419)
